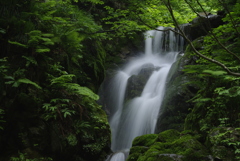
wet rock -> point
(175, 104)
(137, 82)
(201, 25)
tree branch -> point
(215, 37)
(168, 5)
(230, 15)
(169, 29)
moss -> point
(145, 140)
(151, 155)
(169, 144)
(138, 149)
(165, 158)
(168, 135)
(163, 147)
(133, 157)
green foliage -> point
(73, 88)
(52, 59)
(167, 142)
(17, 43)
(72, 140)
(3, 66)
(216, 103)
(23, 157)
(226, 137)
(216, 73)
(92, 1)
(1, 118)
(16, 83)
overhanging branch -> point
(168, 5)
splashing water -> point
(139, 115)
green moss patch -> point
(167, 146)
(145, 140)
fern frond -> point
(27, 81)
(77, 89)
(62, 79)
(216, 73)
(65, 81)
(17, 43)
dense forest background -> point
(53, 59)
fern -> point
(62, 79)
(16, 83)
(216, 73)
(43, 50)
(73, 88)
(30, 60)
(27, 81)
(76, 88)
(18, 44)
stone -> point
(170, 145)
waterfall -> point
(132, 117)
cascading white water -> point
(139, 115)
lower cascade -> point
(134, 95)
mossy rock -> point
(136, 152)
(169, 145)
(176, 104)
(151, 155)
(133, 157)
(168, 135)
(145, 140)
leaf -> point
(17, 43)
(87, 92)
(27, 81)
(63, 79)
(46, 106)
(30, 59)
(66, 114)
(216, 73)
(48, 35)
(52, 108)
(9, 77)
(202, 100)
(2, 31)
(42, 50)
(16, 84)
(48, 43)
(9, 82)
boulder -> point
(169, 145)
(137, 82)
(201, 25)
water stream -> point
(137, 116)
